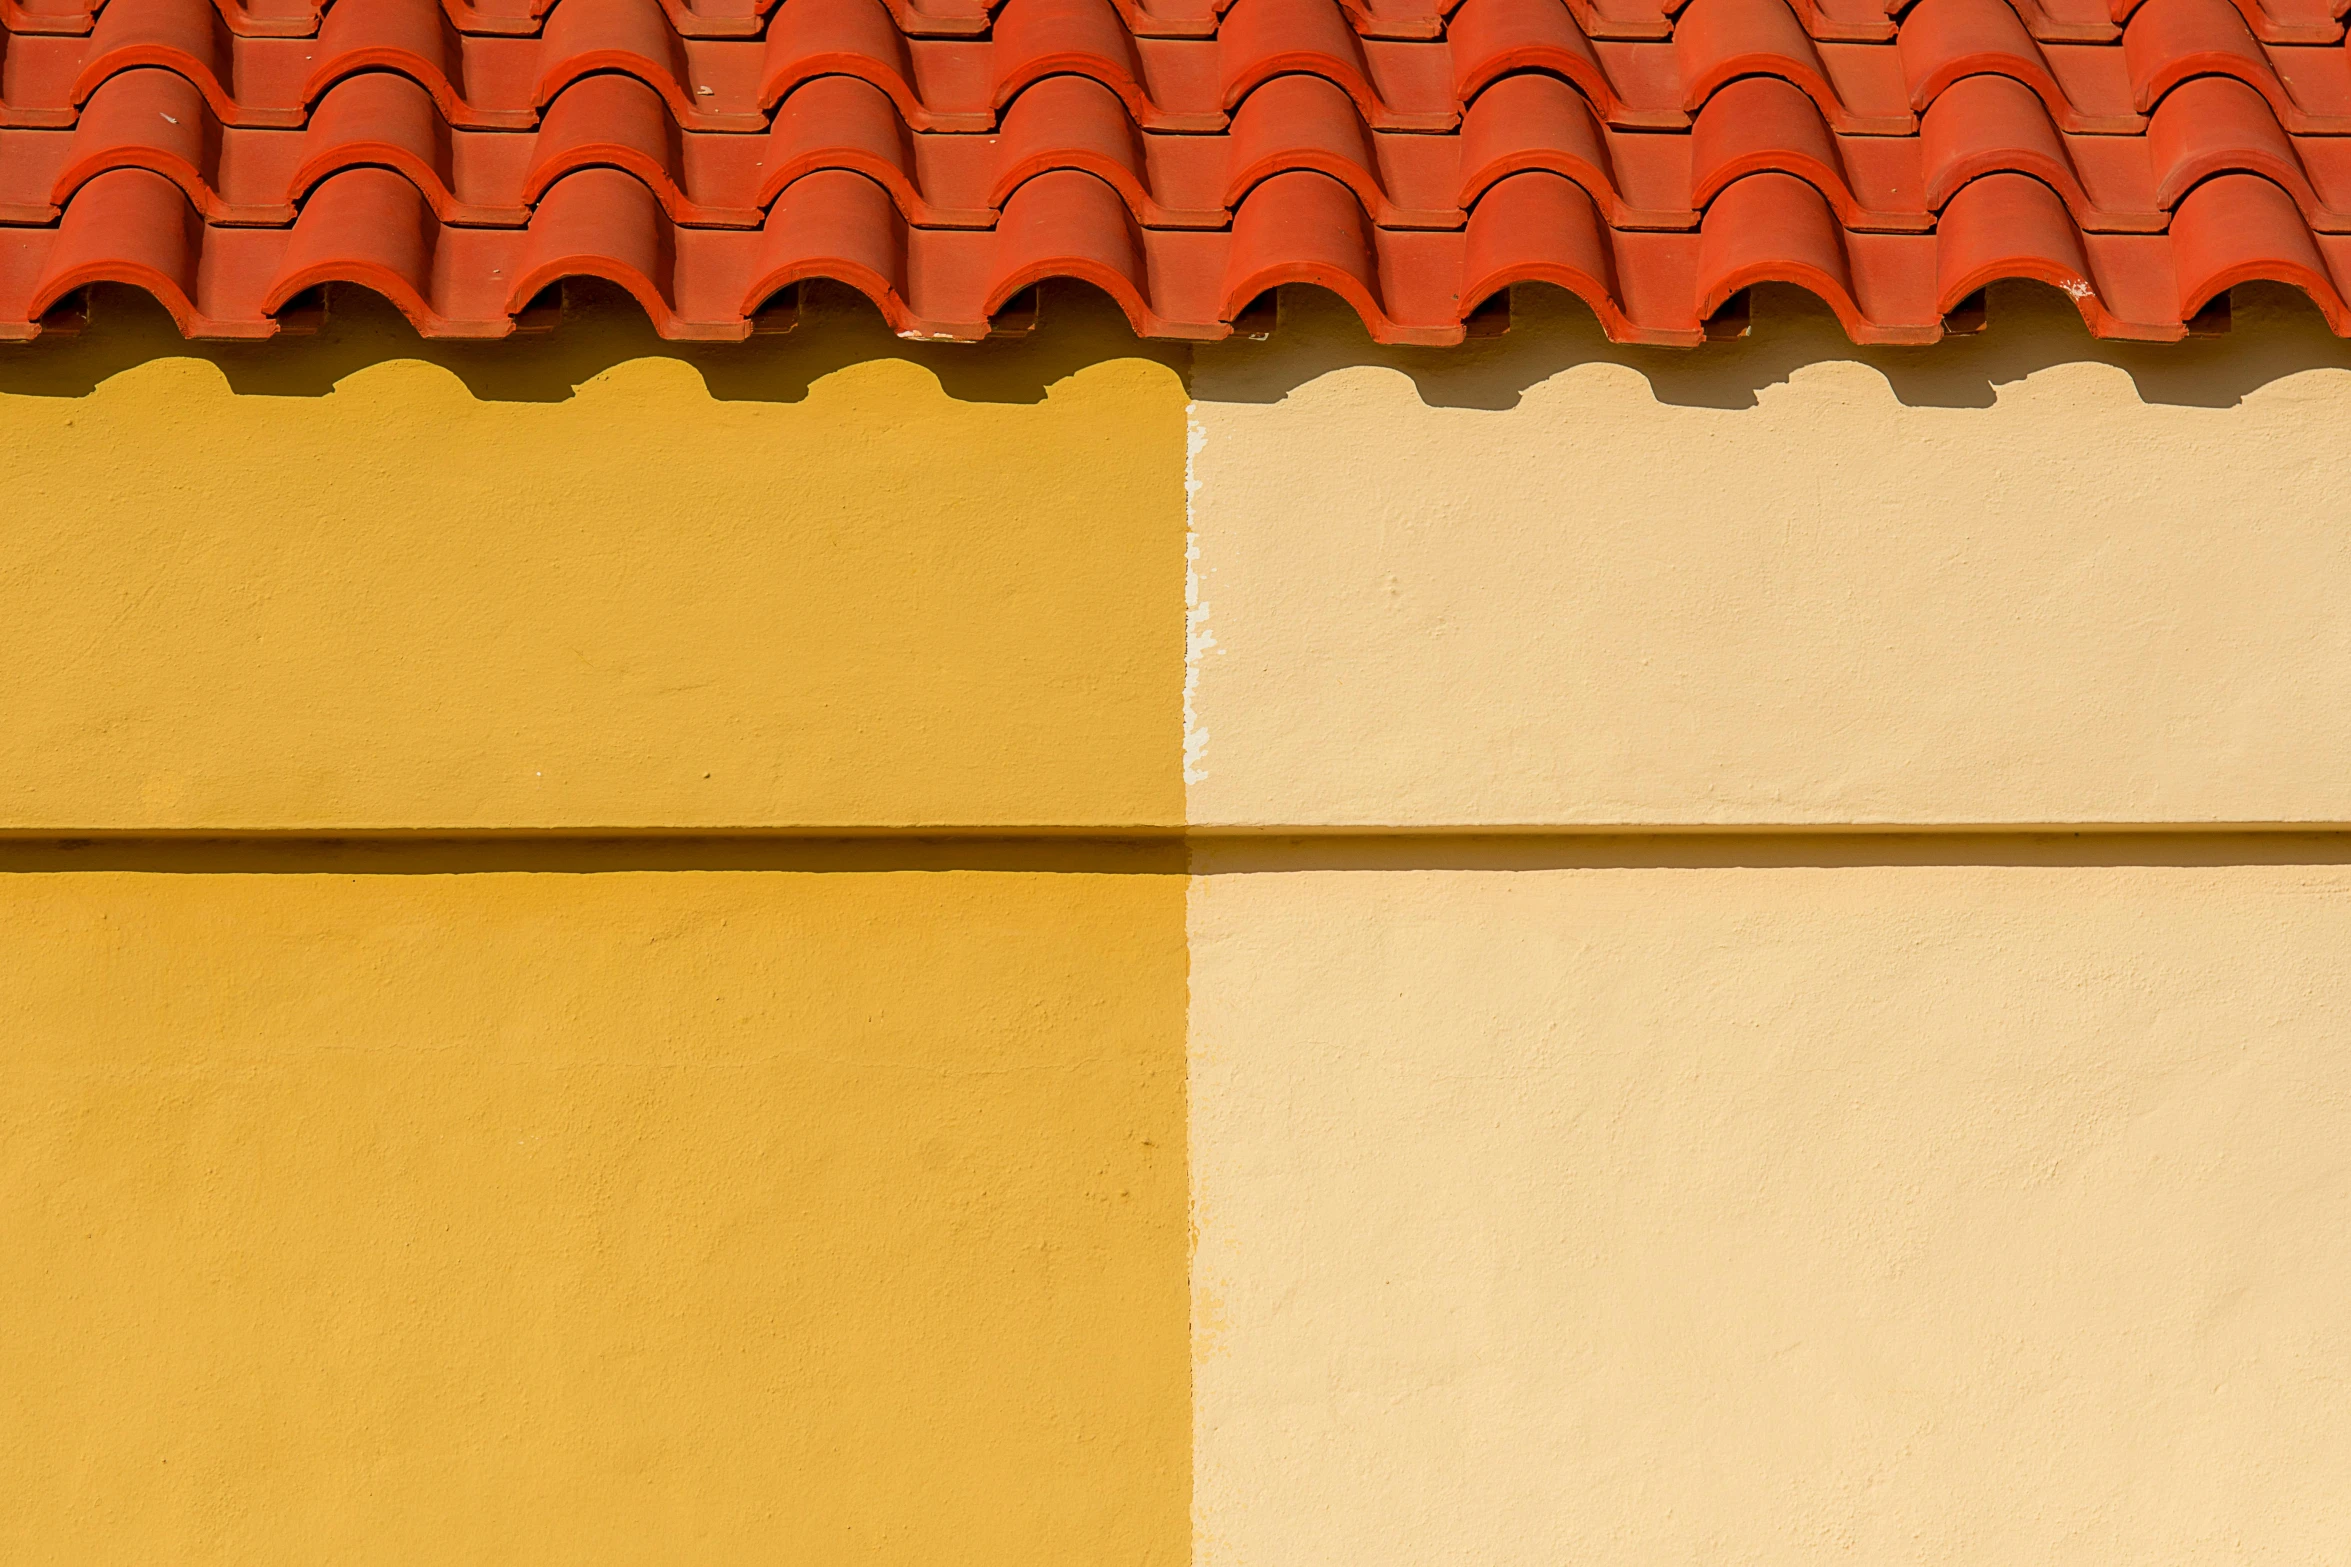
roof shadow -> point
(600, 326)
(2275, 333)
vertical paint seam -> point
(1198, 639)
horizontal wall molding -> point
(1210, 853)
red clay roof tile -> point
(1415, 157)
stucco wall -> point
(466, 1099)
(1948, 1208)
(1749, 1195)
(2024, 579)
(385, 1211)
(589, 583)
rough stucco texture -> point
(1680, 1210)
(1984, 1214)
(2023, 580)
(829, 580)
(624, 1217)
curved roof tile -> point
(1415, 157)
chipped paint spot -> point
(1198, 639)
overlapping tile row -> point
(1656, 159)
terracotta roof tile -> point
(1417, 157)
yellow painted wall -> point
(570, 1215)
(590, 582)
(508, 1200)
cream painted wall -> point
(2025, 579)
(1658, 1213)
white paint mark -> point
(2077, 288)
(1198, 639)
